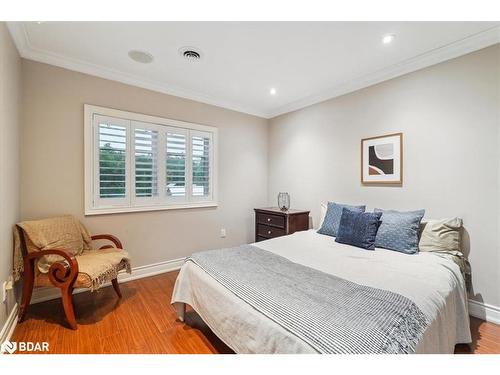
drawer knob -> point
(268, 219)
(268, 232)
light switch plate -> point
(4, 291)
(6, 286)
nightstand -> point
(272, 222)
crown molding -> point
(29, 52)
(455, 49)
(450, 51)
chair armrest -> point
(108, 237)
(61, 272)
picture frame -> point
(382, 160)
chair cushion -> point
(95, 267)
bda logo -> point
(8, 347)
(24, 346)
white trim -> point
(455, 49)
(141, 117)
(94, 205)
(28, 51)
(120, 210)
(10, 325)
(88, 155)
(450, 51)
(45, 294)
(484, 311)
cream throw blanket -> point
(68, 234)
(100, 266)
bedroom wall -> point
(449, 114)
(10, 97)
(53, 166)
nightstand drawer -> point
(269, 219)
(269, 232)
(271, 222)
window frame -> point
(94, 205)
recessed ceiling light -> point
(190, 53)
(388, 38)
(272, 91)
(140, 56)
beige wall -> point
(449, 114)
(53, 167)
(10, 97)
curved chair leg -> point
(28, 282)
(116, 287)
(67, 301)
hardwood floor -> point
(143, 321)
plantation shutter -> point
(135, 162)
(201, 145)
(112, 163)
(146, 162)
(176, 163)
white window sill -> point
(119, 210)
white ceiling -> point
(306, 62)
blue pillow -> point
(399, 230)
(358, 228)
(332, 217)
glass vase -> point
(284, 201)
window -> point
(135, 162)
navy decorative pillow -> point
(358, 228)
(399, 230)
(332, 217)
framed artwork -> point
(382, 160)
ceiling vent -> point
(190, 53)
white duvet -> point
(434, 283)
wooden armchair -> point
(89, 269)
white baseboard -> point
(484, 311)
(10, 325)
(45, 294)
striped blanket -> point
(331, 314)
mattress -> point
(432, 282)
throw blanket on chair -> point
(66, 233)
(331, 314)
(61, 232)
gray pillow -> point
(399, 230)
(441, 235)
(331, 222)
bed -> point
(433, 283)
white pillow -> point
(440, 235)
(322, 213)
